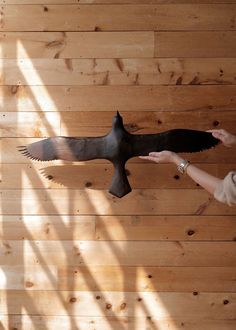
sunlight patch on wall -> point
(44, 97)
(152, 304)
(1, 78)
(3, 279)
(99, 202)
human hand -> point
(225, 137)
(163, 157)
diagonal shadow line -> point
(40, 257)
(37, 251)
(115, 251)
(21, 257)
(48, 123)
(91, 279)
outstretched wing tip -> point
(25, 152)
(189, 141)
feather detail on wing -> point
(64, 148)
(177, 140)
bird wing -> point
(177, 140)
(65, 148)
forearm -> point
(205, 180)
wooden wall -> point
(72, 256)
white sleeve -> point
(225, 191)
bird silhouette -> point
(118, 146)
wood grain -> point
(98, 176)
(47, 227)
(160, 305)
(77, 44)
(118, 253)
(147, 279)
(122, 98)
(112, 228)
(100, 202)
(112, 322)
(195, 44)
(94, 2)
(122, 71)
(112, 17)
(101, 278)
(82, 123)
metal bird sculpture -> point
(118, 146)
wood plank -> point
(147, 279)
(40, 124)
(98, 176)
(195, 44)
(113, 98)
(48, 227)
(81, 123)
(165, 228)
(100, 202)
(10, 155)
(139, 227)
(135, 122)
(77, 44)
(28, 277)
(112, 17)
(118, 253)
(161, 305)
(135, 279)
(93, 2)
(29, 322)
(135, 71)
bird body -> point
(118, 146)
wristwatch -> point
(183, 166)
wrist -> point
(182, 167)
(177, 160)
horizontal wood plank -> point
(98, 176)
(113, 98)
(135, 71)
(94, 2)
(40, 124)
(135, 279)
(112, 17)
(112, 322)
(139, 227)
(82, 123)
(48, 227)
(165, 228)
(195, 44)
(127, 253)
(161, 305)
(100, 202)
(28, 277)
(77, 44)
